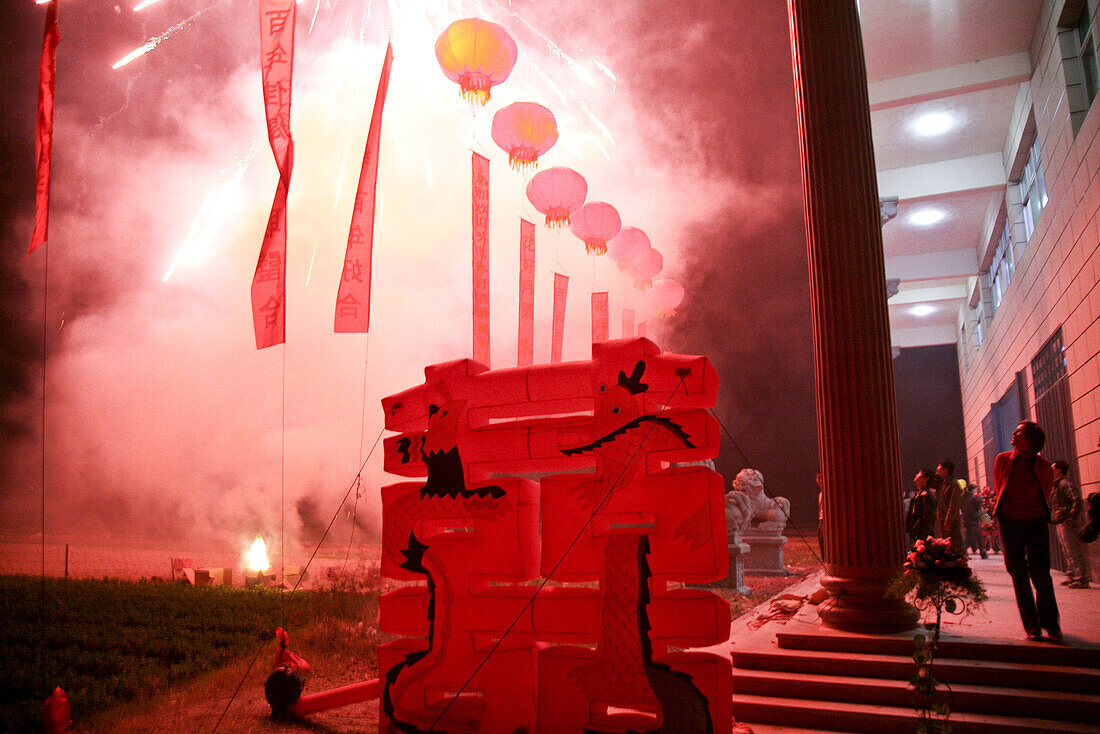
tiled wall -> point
(1055, 283)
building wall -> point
(1055, 283)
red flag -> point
(600, 327)
(277, 19)
(628, 323)
(561, 290)
(480, 166)
(526, 338)
(353, 296)
(43, 141)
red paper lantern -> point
(524, 130)
(646, 267)
(666, 295)
(595, 223)
(476, 53)
(627, 245)
(557, 193)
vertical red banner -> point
(480, 166)
(277, 20)
(600, 320)
(43, 139)
(641, 329)
(353, 296)
(526, 339)
(628, 323)
(557, 335)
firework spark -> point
(155, 41)
(214, 211)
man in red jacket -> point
(1023, 481)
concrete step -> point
(1081, 656)
(1067, 679)
(854, 717)
(1055, 706)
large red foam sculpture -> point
(546, 540)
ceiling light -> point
(922, 310)
(931, 124)
(925, 217)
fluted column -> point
(853, 369)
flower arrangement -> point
(937, 577)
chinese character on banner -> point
(277, 21)
(355, 282)
(526, 340)
(557, 325)
(480, 199)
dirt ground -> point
(231, 700)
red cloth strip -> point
(277, 20)
(480, 197)
(601, 329)
(526, 338)
(43, 140)
(353, 296)
(561, 290)
(628, 323)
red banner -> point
(628, 323)
(43, 141)
(600, 319)
(277, 19)
(561, 290)
(480, 165)
(526, 340)
(353, 296)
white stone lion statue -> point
(770, 512)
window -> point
(1077, 39)
(1086, 52)
(1032, 189)
(977, 318)
(1003, 267)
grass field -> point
(106, 642)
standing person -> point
(920, 518)
(949, 505)
(1023, 481)
(1065, 516)
(972, 521)
(990, 535)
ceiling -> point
(943, 81)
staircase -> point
(855, 683)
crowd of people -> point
(1012, 518)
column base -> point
(861, 605)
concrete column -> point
(853, 369)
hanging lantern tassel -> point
(477, 54)
(626, 247)
(646, 267)
(557, 193)
(524, 130)
(666, 296)
(595, 223)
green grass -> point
(109, 641)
